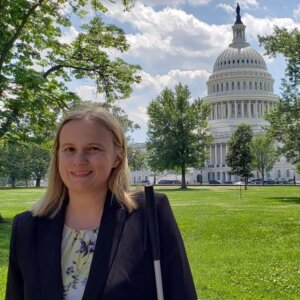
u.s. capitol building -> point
(239, 90)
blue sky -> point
(179, 40)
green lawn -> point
(244, 247)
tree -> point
(264, 154)
(177, 131)
(285, 118)
(39, 159)
(15, 161)
(239, 157)
(35, 64)
(136, 159)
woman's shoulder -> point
(140, 198)
(24, 219)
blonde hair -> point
(118, 182)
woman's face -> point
(86, 156)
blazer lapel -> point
(110, 231)
(49, 255)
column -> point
(249, 109)
(221, 154)
(222, 110)
(216, 155)
(235, 109)
(256, 109)
(242, 103)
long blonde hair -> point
(118, 182)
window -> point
(232, 85)
(238, 85)
(239, 110)
(250, 85)
(232, 110)
(288, 173)
(245, 109)
(255, 85)
(227, 86)
(278, 174)
(244, 85)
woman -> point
(87, 237)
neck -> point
(84, 211)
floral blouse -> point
(77, 251)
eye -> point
(94, 149)
(68, 149)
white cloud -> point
(248, 4)
(88, 93)
(69, 36)
(296, 11)
(228, 8)
(264, 26)
(171, 38)
(175, 3)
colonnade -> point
(218, 153)
(239, 109)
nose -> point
(80, 158)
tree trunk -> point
(13, 182)
(1, 219)
(38, 182)
(183, 184)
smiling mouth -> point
(81, 173)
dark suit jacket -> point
(122, 265)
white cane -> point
(154, 238)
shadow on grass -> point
(292, 200)
(178, 189)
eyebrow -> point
(89, 144)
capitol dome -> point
(239, 90)
(239, 58)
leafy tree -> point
(39, 159)
(136, 159)
(285, 118)
(15, 160)
(239, 157)
(177, 131)
(298, 167)
(264, 154)
(35, 64)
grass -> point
(239, 247)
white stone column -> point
(235, 109)
(221, 154)
(249, 109)
(216, 155)
(256, 109)
(243, 113)
(222, 110)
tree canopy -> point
(36, 64)
(264, 154)
(285, 118)
(239, 157)
(177, 131)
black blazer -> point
(122, 265)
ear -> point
(117, 160)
